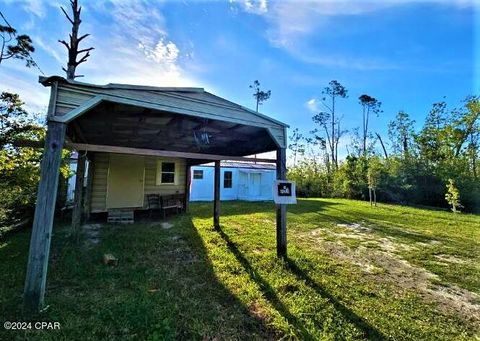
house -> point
(238, 181)
(140, 140)
(180, 120)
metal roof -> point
(240, 164)
(189, 93)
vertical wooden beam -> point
(78, 196)
(281, 209)
(88, 192)
(188, 181)
(216, 199)
(43, 220)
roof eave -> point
(47, 81)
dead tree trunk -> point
(72, 48)
(383, 146)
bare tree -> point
(369, 105)
(316, 147)
(73, 47)
(329, 120)
(297, 146)
(382, 144)
(260, 96)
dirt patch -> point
(356, 227)
(349, 236)
(363, 233)
(166, 225)
(259, 250)
(259, 311)
(383, 264)
(430, 243)
(450, 259)
(464, 302)
(91, 233)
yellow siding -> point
(99, 185)
(100, 176)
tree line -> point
(20, 166)
(436, 165)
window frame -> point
(160, 173)
(197, 171)
(230, 179)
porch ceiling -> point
(123, 125)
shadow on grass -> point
(391, 229)
(269, 293)
(368, 330)
(266, 289)
(164, 287)
(203, 209)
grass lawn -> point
(353, 272)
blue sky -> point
(408, 54)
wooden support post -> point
(43, 220)
(78, 196)
(216, 199)
(281, 209)
(188, 181)
(89, 187)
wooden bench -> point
(120, 216)
(172, 202)
(163, 203)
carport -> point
(187, 125)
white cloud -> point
(35, 7)
(163, 52)
(256, 6)
(313, 105)
(290, 21)
(259, 7)
(18, 79)
(136, 48)
(132, 46)
(51, 47)
(355, 63)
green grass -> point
(376, 281)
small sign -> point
(284, 189)
(284, 192)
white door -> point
(126, 175)
(255, 184)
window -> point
(198, 174)
(167, 173)
(227, 179)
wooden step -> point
(123, 216)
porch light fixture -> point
(202, 136)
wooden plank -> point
(78, 195)
(143, 151)
(281, 209)
(154, 152)
(88, 192)
(188, 181)
(216, 200)
(36, 277)
(187, 107)
(86, 106)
